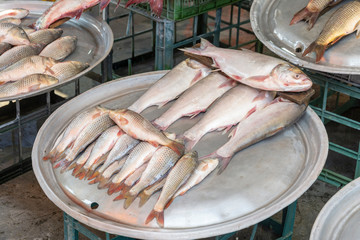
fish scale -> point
(68, 69)
(27, 84)
(60, 48)
(4, 47)
(45, 36)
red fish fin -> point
(155, 144)
(92, 182)
(103, 182)
(47, 69)
(159, 217)
(112, 187)
(123, 121)
(59, 164)
(251, 111)
(223, 163)
(169, 203)
(89, 173)
(194, 114)
(119, 187)
(236, 77)
(227, 129)
(177, 147)
(94, 175)
(103, 4)
(260, 96)
(229, 83)
(257, 78)
(317, 48)
(143, 198)
(197, 77)
(120, 197)
(303, 14)
(312, 19)
(232, 133)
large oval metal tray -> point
(260, 180)
(95, 39)
(270, 22)
(340, 217)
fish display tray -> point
(95, 39)
(340, 217)
(260, 180)
(270, 21)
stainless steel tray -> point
(260, 180)
(340, 217)
(270, 21)
(95, 39)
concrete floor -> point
(26, 213)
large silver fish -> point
(255, 69)
(177, 176)
(235, 105)
(14, 13)
(45, 36)
(171, 85)
(258, 126)
(60, 48)
(196, 99)
(27, 84)
(65, 70)
(24, 67)
(159, 165)
(140, 128)
(13, 34)
(17, 53)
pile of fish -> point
(128, 155)
(344, 21)
(31, 60)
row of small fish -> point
(344, 21)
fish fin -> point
(197, 77)
(189, 144)
(158, 126)
(112, 187)
(317, 48)
(177, 147)
(143, 198)
(123, 121)
(194, 114)
(89, 173)
(103, 4)
(58, 157)
(311, 20)
(159, 217)
(71, 166)
(260, 96)
(129, 200)
(303, 14)
(120, 197)
(226, 129)
(251, 111)
(169, 203)
(92, 182)
(237, 78)
(94, 175)
(59, 164)
(229, 83)
(155, 144)
(34, 87)
(119, 187)
(47, 69)
(77, 169)
(232, 133)
(258, 78)
(357, 28)
(103, 182)
(223, 163)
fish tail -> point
(120, 197)
(113, 187)
(103, 182)
(223, 163)
(57, 157)
(81, 175)
(190, 143)
(143, 198)
(59, 164)
(65, 166)
(177, 147)
(94, 175)
(92, 182)
(169, 203)
(303, 14)
(319, 50)
(89, 174)
(159, 217)
(119, 187)
(77, 168)
(51, 154)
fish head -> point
(47, 80)
(291, 78)
(19, 35)
(192, 155)
(119, 116)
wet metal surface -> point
(260, 180)
(95, 39)
(270, 21)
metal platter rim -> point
(284, 54)
(330, 206)
(197, 232)
(84, 17)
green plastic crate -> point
(182, 9)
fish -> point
(204, 168)
(235, 105)
(105, 176)
(133, 178)
(156, 6)
(60, 48)
(311, 12)
(122, 146)
(14, 21)
(72, 131)
(67, 69)
(91, 131)
(176, 177)
(14, 13)
(254, 69)
(262, 124)
(171, 85)
(140, 128)
(140, 155)
(196, 99)
(27, 84)
(4, 47)
(66, 9)
(81, 159)
(24, 67)
(344, 21)
(45, 36)
(149, 191)
(160, 163)
(13, 34)
(104, 144)
(17, 53)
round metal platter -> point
(95, 39)
(340, 217)
(260, 180)
(270, 22)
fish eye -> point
(297, 76)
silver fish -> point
(68, 69)
(171, 85)
(14, 13)
(60, 48)
(13, 34)
(149, 191)
(45, 36)
(133, 178)
(177, 176)
(27, 84)
(258, 126)
(196, 99)
(235, 105)
(104, 178)
(14, 21)
(17, 53)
